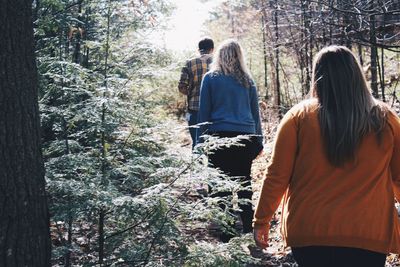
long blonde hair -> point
(347, 111)
(229, 60)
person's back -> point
(189, 84)
(229, 105)
(348, 206)
(336, 163)
(191, 77)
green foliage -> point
(106, 137)
(233, 254)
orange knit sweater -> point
(351, 206)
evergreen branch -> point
(66, 8)
(132, 226)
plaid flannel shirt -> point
(190, 81)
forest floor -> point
(276, 254)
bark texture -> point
(24, 219)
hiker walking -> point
(229, 103)
(189, 84)
(336, 164)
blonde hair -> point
(229, 60)
(347, 111)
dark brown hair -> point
(205, 45)
(347, 110)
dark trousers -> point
(326, 256)
(235, 161)
(192, 120)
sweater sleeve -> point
(205, 105)
(255, 110)
(279, 171)
(395, 161)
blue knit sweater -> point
(228, 106)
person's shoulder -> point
(200, 58)
(385, 109)
(382, 109)
(213, 75)
(391, 115)
(192, 61)
(307, 106)
(304, 109)
(393, 122)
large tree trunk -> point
(24, 218)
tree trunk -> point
(382, 73)
(374, 50)
(311, 40)
(85, 55)
(103, 136)
(360, 54)
(101, 237)
(323, 23)
(263, 20)
(345, 20)
(306, 43)
(24, 223)
(76, 56)
(278, 86)
(67, 258)
(330, 25)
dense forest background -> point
(121, 180)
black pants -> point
(326, 256)
(235, 161)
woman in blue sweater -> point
(229, 103)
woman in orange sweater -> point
(336, 163)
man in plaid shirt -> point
(190, 81)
